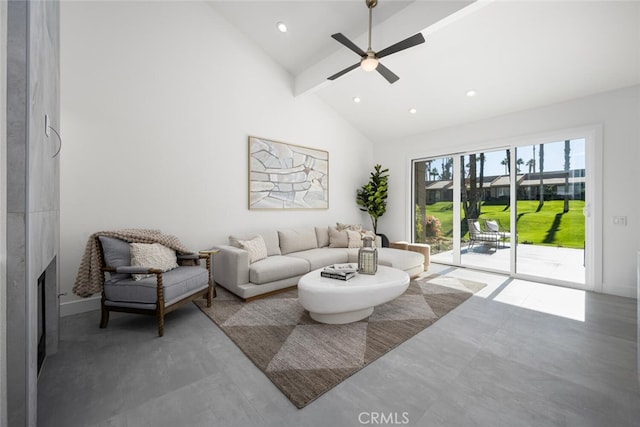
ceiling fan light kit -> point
(370, 60)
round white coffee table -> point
(337, 302)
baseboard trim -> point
(79, 306)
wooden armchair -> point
(158, 292)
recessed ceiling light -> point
(356, 99)
(471, 93)
(412, 110)
(282, 27)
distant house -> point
(528, 187)
(439, 191)
(554, 185)
(499, 187)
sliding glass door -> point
(550, 211)
(433, 210)
(485, 204)
(518, 209)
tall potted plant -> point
(372, 197)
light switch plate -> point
(620, 221)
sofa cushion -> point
(256, 248)
(152, 255)
(116, 253)
(270, 240)
(297, 239)
(177, 283)
(277, 267)
(354, 227)
(321, 257)
(355, 239)
(338, 239)
(322, 236)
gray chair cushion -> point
(116, 253)
(277, 267)
(177, 283)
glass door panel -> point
(550, 202)
(433, 210)
(485, 210)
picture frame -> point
(287, 176)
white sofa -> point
(291, 253)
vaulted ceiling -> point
(514, 54)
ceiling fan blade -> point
(404, 44)
(348, 43)
(345, 71)
(387, 73)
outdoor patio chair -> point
(493, 225)
(143, 290)
(477, 235)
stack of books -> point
(340, 271)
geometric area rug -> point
(304, 358)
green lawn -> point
(547, 227)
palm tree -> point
(567, 165)
(505, 162)
(446, 168)
(541, 154)
(531, 163)
(420, 174)
(481, 182)
(471, 200)
(434, 174)
(427, 169)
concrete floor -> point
(565, 264)
(516, 354)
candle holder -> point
(367, 257)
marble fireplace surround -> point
(33, 196)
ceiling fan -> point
(369, 60)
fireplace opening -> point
(42, 334)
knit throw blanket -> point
(90, 276)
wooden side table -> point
(208, 255)
(422, 248)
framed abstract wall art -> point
(287, 176)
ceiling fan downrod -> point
(370, 4)
(369, 62)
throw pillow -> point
(355, 227)
(492, 225)
(256, 247)
(297, 239)
(152, 255)
(271, 241)
(338, 239)
(322, 236)
(116, 253)
(355, 239)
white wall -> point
(158, 99)
(619, 114)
